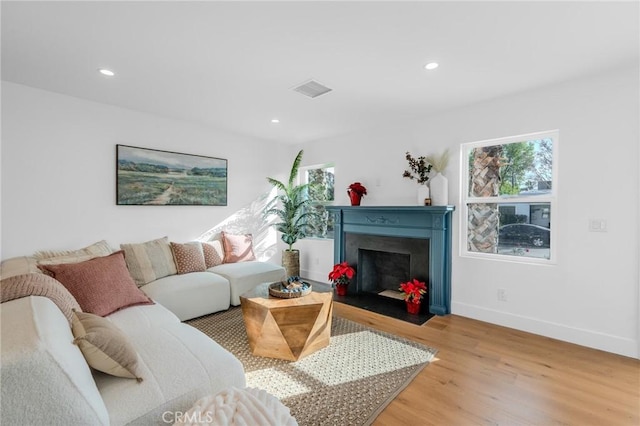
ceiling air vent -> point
(312, 89)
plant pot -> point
(341, 289)
(291, 262)
(354, 197)
(413, 307)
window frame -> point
(551, 198)
(302, 173)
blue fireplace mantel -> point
(432, 224)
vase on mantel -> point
(439, 190)
(423, 194)
(354, 197)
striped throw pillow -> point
(149, 261)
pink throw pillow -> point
(101, 285)
(238, 248)
(213, 253)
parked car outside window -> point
(524, 235)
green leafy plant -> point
(294, 210)
(420, 169)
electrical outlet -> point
(502, 295)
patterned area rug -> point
(347, 383)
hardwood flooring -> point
(485, 374)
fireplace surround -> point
(419, 237)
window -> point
(509, 197)
(321, 194)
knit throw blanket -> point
(39, 285)
(234, 407)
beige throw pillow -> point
(149, 261)
(101, 248)
(104, 346)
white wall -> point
(58, 191)
(58, 172)
(590, 296)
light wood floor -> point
(485, 374)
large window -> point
(509, 197)
(321, 194)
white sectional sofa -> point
(47, 380)
(187, 295)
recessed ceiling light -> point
(275, 121)
(431, 65)
(106, 72)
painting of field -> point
(152, 177)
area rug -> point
(347, 383)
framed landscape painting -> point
(152, 177)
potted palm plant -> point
(291, 207)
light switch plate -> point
(597, 225)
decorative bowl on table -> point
(293, 287)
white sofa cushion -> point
(179, 364)
(244, 276)
(191, 295)
(45, 379)
(143, 317)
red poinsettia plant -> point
(357, 188)
(413, 290)
(342, 273)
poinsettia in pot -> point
(341, 277)
(356, 191)
(413, 291)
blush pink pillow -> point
(101, 285)
(237, 248)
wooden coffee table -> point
(287, 328)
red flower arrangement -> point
(357, 188)
(342, 273)
(413, 290)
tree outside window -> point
(321, 194)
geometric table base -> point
(287, 328)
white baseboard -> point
(592, 339)
(310, 275)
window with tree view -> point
(321, 180)
(509, 196)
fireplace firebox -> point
(392, 244)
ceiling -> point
(232, 65)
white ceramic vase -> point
(439, 190)
(423, 192)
